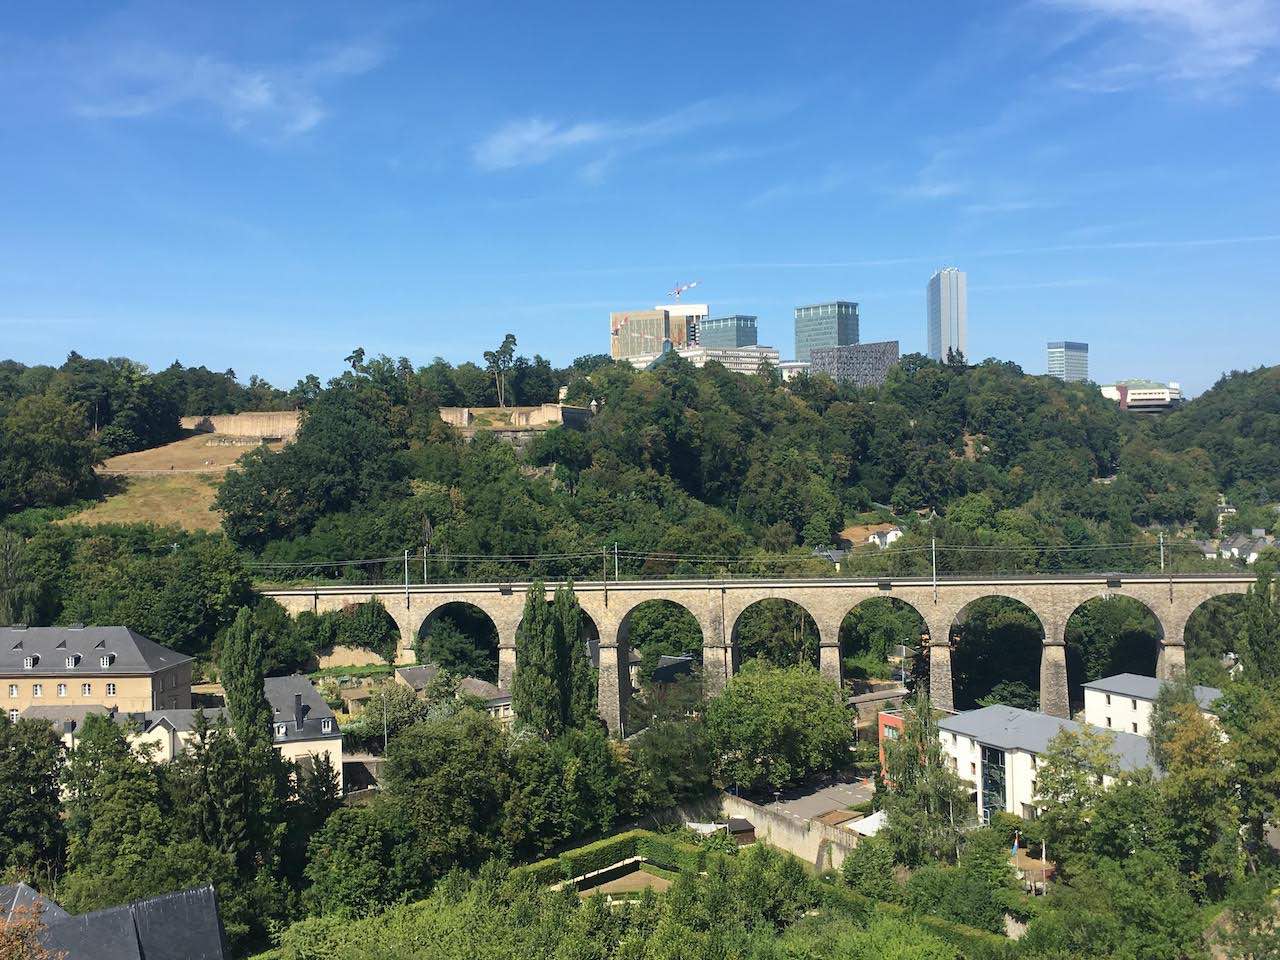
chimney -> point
(297, 709)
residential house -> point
(1124, 702)
(497, 702)
(113, 667)
(302, 725)
(1246, 547)
(880, 534)
(998, 750)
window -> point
(1134, 704)
(1108, 721)
(280, 729)
(28, 662)
(105, 661)
(1135, 727)
(13, 714)
(86, 689)
(111, 689)
(326, 725)
(13, 689)
(37, 689)
(1108, 699)
(973, 767)
(890, 732)
(62, 689)
(72, 660)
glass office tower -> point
(1069, 361)
(948, 318)
(728, 332)
(825, 325)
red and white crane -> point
(681, 288)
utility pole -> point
(1162, 550)
(933, 543)
(406, 579)
(615, 560)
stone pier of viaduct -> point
(717, 605)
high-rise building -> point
(948, 314)
(861, 364)
(734, 331)
(686, 321)
(825, 325)
(1069, 360)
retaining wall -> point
(263, 424)
(815, 843)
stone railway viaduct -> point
(718, 604)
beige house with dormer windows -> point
(79, 666)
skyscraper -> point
(735, 331)
(1069, 361)
(948, 314)
(825, 325)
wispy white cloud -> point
(277, 100)
(536, 139)
(818, 185)
(1205, 43)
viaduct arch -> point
(717, 605)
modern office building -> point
(860, 364)
(948, 314)
(1143, 396)
(648, 333)
(734, 331)
(686, 322)
(1069, 361)
(825, 325)
(737, 359)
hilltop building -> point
(790, 369)
(948, 313)
(690, 316)
(859, 364)
(1069, 360)
(833, 324)
(1144, 396)
(728, 332)
(76, 666)
(737, 359)
(650, 333)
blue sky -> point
(266, 186)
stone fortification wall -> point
(269, 424)
(815, 843)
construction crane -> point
(681, 288)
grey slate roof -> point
(669, 668)
(175, 926)
(483, 689)
(282, 694)
(182, 721)
(131, 652)
(59, 717)
(1009, 728)
(1147, 688)
(14, 896)
(419, 677)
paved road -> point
(814, 801)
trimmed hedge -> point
(666, 851)
(543, 872)
(974, 944)
(598, 855)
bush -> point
(868, 869)
(598, 855)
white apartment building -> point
(737, 359)
(1143, 396)
(997, 750)
(948, 313)
(1124, 702)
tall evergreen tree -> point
(242, 664)
(535, 693)
(30, 760)
(579, 679)
(1261, 629)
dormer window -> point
(73, 661)
(280, 729)
(106, 660)
(29, 662)
(326, 725)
